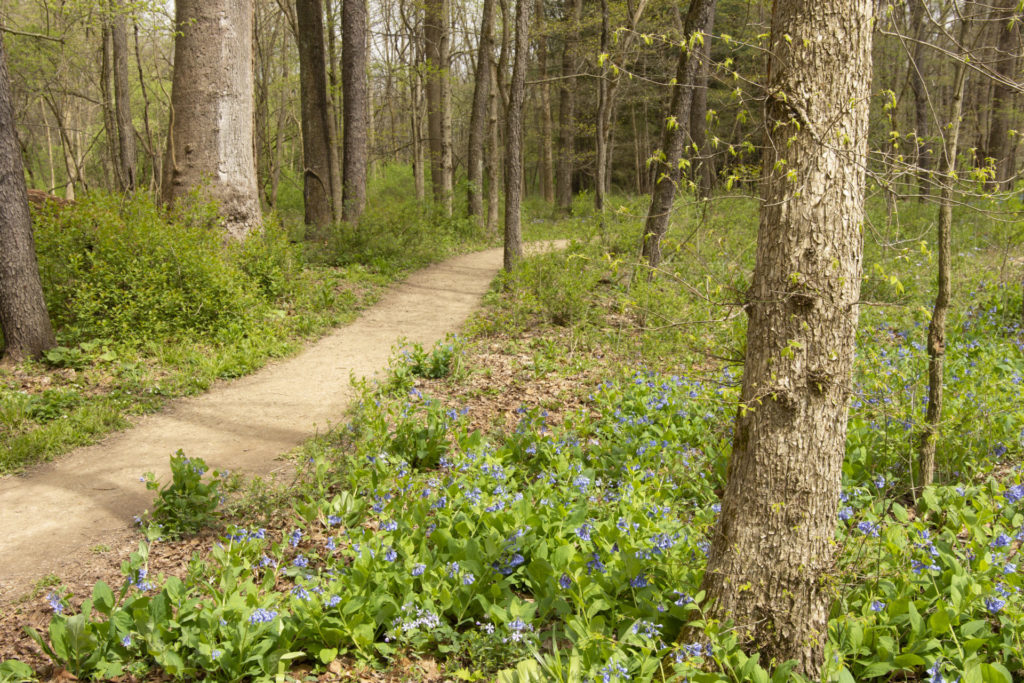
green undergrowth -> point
(150, 305)
(571, 553)
(575, 552)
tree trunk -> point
(478, 116)
(603, 114)
(123, 97)
(356, 103)
(547, 149)
(435, 34)
(676, 133)
(703, 166)
(514, 138)
(922, 159)
(567, 108)
(937, 325)
(210, 138)
(774, 539)
(1000, 142)
(319, 149)
(494, 155)
(23, 318)
(151, 148)
(107, 105)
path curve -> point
(60, 510)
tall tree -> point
(608, 88)
(357, 106)
(23, 318)
(514, 138)
(436, 39)
(547, 147)
(676, 134)
(940, 309)
(774, 539)
(703, 165)
(1004, 89)
(127, 153)
(567, 107)
(478, 115)
(210, 138)
(321, 179)
(922, 157)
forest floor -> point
(72, 520)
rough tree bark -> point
(127, 152)
(210, 137)
(774, 539)
(567, 108)
(676, 132)
(922, 157)
(494, 165)
(478, 115)
(23, 318)
(514, 138)
(940, 310)
(1000, 142)
(435, 36)
(321, 191)
(357, 107)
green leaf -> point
(103, 598)
(327, 655)
(876, 669)
(916, 622)
(781, 674)
(995, 673)
(939, 622)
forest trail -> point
(53, 516)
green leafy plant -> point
(187, 503)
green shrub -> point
(127, 271)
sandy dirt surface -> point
(57, 518)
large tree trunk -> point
(676, 133)
(320, 178)
(123, 98)
(478, 115)
(774, 539)
(567, 108)
(435, 35)
(23, 318)
(356, 103)
(210, 139)
(1000, 141)
(514, 138)
(937, 325)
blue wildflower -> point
(262, 616)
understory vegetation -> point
(568, 544)
(150, 305)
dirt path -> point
(52, 516)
